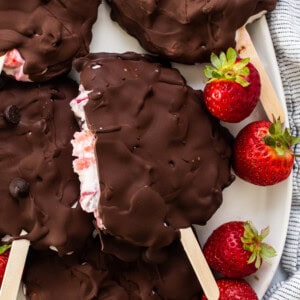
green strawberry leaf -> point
(265, 232)
(272, 130)
(241, 64)
(228, 67)
(223, 59)
(258, 261)
(231, 56)
(267, 251)
(208, 71)
(270, 141)
(252, 242)
(252, 258)
(215, 61)
(246, 246)
(216, 75)
(4, 248)
(245, 71)
(280, 139)
(243, 82)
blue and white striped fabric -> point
(284, 25)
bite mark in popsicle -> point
(85, 163)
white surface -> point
(242, 201)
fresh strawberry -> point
(262, 153)
(235, 249)
(233, 89)
(234, 289)
(4, 253)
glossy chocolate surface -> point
(94, 275)
(186, 31)
(163, 160)
(38, 186)
(49, 34)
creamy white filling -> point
(85, 164)
(14, 64)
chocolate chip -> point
(19, 188)
(12, 115)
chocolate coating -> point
(186, 31)
(48, 34)
(173, 279)
(163, 160)
(94, 275)
(49, 277)
(38, 186)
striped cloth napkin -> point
(284, 23)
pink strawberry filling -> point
(85, 163)
(14, 64)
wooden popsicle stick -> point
(14, 269)
(2, 58)
(199, 264)
(268, 97)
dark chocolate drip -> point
(38, 187)
(48, 34)
(166, 166)
(186, 31)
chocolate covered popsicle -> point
(162, 160)
(41, 38)
(38, 189)
(186, 31)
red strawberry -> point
(234, 289)
(235, 249)
(262, 153)
(233, 89)
(4, 253)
